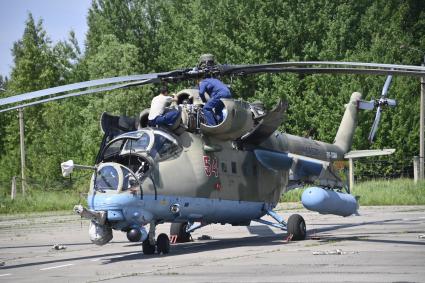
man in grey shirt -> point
(157, 117)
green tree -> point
(37, 65)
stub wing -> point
(301, 169)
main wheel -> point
(296, 227)
(163, 244)
(179, 229)
(148, 249)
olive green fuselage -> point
(209, 168)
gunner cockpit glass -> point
(115, 177)
(107, 178)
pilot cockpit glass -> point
(137, 145)
(113, 149)
(164, 147)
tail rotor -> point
(379, 104)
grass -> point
(393, 192)
(38, 200)
(384, 192)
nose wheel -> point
(148, 248)
(163, 244)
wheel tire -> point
(179, 229)
(297, 227)
(163, 244)
(148, 249)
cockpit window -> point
(113, 149)
(138, 145)
(107, 178)
(129, 180)
(164, 147)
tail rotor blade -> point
(383, 101)
(375, 125)
(386, 86)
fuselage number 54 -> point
(210, 166)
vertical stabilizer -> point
(344, 136)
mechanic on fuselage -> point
(157, 117)
(213, 108)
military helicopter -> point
(191, 174)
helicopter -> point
(191, 174)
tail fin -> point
(344, 136)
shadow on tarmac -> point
(176, 250)
(263, 236)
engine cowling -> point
(236, 123)
(329, 202)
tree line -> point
(140, 36)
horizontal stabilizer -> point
(368, 153)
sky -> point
(59, 17)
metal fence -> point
(16, 185)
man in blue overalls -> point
(213, 108)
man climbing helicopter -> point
(216, 89)
(213, 108)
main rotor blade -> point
(75, 86)
(330, 67)
(188, 74)
(90, 91)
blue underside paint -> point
(306, 168)
(137, 211)
(273, 160)
(329, 202)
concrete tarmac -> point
(383, 244)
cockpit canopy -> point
(156, 143)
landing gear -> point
(179, 229)
(163, 244)
(148, 249)
(296, 227)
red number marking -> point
(207, 165)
